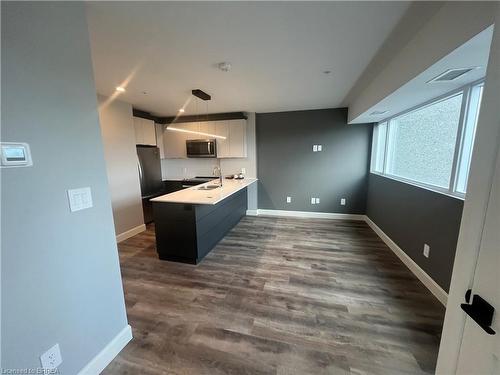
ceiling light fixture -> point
(195, 132)
(120, 89)
(327, 72)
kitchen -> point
(178, 160)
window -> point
(379, 137)
(430, 145)
(468, 139)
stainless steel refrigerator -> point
(149, 167)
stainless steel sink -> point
(208, 187)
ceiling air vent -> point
(451, 75)
(377, 113)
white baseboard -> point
(106, 355)
(306, 214)
(433, 287)
(252, 212)
(130, 233)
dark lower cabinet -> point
(147, 210)
(171, 186)
(186, 232)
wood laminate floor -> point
(278, 296)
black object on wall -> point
(412, 216)
(208, 117)
(287, 165)
(189, 118)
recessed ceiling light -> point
(120, 89)
(327, 71)
(181, 110)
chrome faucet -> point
(218, 171)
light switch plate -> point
(313, 200)
(317, 200)
(52, 358)
(342, 202)
(315, 148)
(288, 199)
(80, 199)
(320, 148)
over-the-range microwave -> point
(201, 148)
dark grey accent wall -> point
(287, 166)
(412, 216)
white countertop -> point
(193, 195)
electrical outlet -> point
(320, 148)
(243, 170)
(313, 200)
(342, 202)
(288, 199)
(315, 148)
(52, 358)
(427, 250)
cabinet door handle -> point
(139, 168)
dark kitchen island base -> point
(187, 232)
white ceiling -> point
(473, 53)
(278, 51)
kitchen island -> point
(190, 222)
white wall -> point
(117, 129)
(427, 33)
(60, 272)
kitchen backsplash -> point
(174, 169)
(177, 169)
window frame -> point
(465, 111)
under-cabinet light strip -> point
(195, 132)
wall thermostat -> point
(14, 154)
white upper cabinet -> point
(192, 127)
(237, 138)
(234, 146)
(222, 129)
(145, 133)
(174, 143)
(159, 139)
(207, 127)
